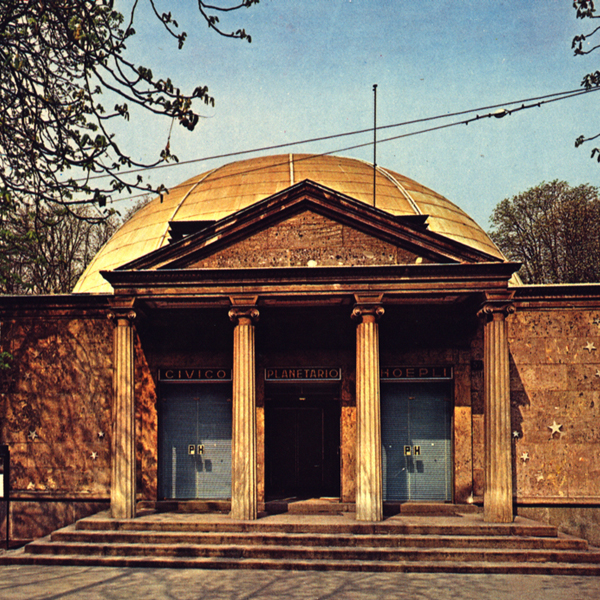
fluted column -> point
(498, 493)
(369, 485)
(122, 488)
(244, 496)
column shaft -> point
(122, 489)
(244, 497)
(498, 500)
(369, 486)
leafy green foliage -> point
(61, 61)
(5, 360)
(554, 230)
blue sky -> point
(310, 69)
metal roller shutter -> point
(416, 441)
(198, 416)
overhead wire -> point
(533, 102)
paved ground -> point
(105, 583)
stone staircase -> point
(422, 542)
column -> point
(244, 497)
(122, 488)
(498, 493)
(369, 484)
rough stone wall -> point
(555, 397)
(308, 237)
(55, 403)
(555, 383)
(146, 424)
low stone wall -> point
(35, 518)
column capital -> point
(120, 314)
(248, 313)
(360, 311)
(496, 310)
(496, 306)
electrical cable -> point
(535, 102)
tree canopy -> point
(44, 249)
(554, 230)
(60, 62)
(65, 80)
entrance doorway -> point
(416, 441)
(302, 441)
(194, 441)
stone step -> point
(286, 553)
(311, 506)
(448, 543)
(418, 566)
(306, 539)
(391, 527)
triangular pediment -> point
(309, 225)
(308, 239)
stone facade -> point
(555, 379)
(56, 399)
(555, 385)
(55, 407)
(81, 403)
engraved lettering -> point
(416, 372)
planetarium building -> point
(301, 326)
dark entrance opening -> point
(302, 443)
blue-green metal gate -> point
(416, 441)
(194, 441)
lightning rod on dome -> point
(374, 144)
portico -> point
(322, 319)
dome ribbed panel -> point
(353, 178)
(236, 186)
(216, 194)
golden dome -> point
(227, 189)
